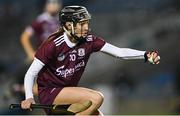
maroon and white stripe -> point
(59, 40)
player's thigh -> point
(69, 95)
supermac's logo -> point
(65, 72)
(61, 57)
(81, 52)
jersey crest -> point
(81, 52)
(60, 57)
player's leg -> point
(71, 95)
(98, 113)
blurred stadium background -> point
(129, 87)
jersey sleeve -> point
(45, 52)
(98, 43)
(125, 53)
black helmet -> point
(73, 14)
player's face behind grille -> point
(82, 28)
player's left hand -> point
(152, 57)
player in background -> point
(44, 25)
(60, 62)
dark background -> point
(129, 86)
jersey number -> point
(72, 57)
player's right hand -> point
(26, 104)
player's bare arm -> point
(26, 43)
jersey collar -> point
(68, 42)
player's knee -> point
(97, 99)
(100, 98)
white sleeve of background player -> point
(32, 72)
(124, 53)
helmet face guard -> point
(73, 14)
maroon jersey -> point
(64, 61)
(43, 26)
